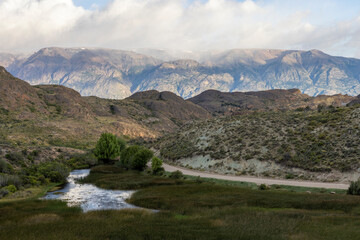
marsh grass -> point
(110, 177)
(189, 210)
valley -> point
(179, 120)
(279, 155)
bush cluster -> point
(176, 175)
(135, 157)
(110, 147)
(6, 180)
(354, 188)
(46, 172)
(82, 161)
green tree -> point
(127, 156)
(141, 158)
(108, 147)
(156, 165)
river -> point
(88, 196)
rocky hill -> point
(220, 103)
(320, 144)
(57, 115)
(167, 105)
(118, 74)
(355, 101)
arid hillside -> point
(322, 144)
(56, 115)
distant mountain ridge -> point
(92, 72)
(117, 74)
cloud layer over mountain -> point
(332, 26)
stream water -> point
(88, 196)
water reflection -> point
(90, 197)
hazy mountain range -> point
(117, 74)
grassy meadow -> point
(189, 209)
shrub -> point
(141, 158)
(6, 180)
(112, 109)
(108, 147)
(3, 166)
(290, 176)
(54, 171)
(3, 192)
(263, 187)
(176, 175)
(199, 180)
(354, 188)
(156, 165)
(82, 161)
(14, 156)
(58, 109)
(11, 188)
(35, 153)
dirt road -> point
(256, 180)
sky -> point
(332, 26)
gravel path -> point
(268, 181)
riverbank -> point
(31, 193)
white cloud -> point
(30, 23)
(172, 24)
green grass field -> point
(189, 209)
